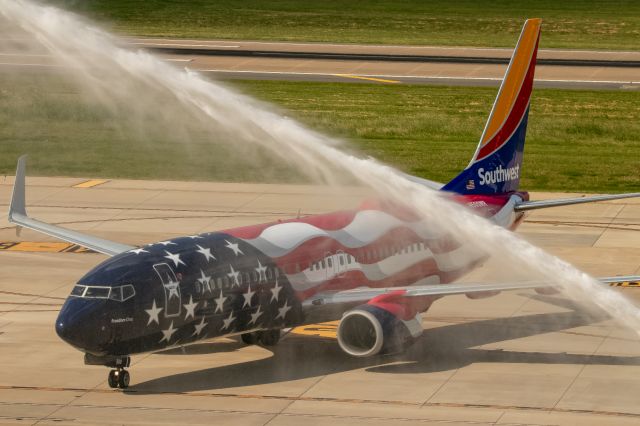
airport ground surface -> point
(557, 68)
(511, 359)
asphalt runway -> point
(573, 69)
(517, 358)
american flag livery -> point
(377, 245)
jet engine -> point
(370, 330)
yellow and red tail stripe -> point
(512, 101)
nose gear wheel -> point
(118, 378)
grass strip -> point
(577, 140)
(590, 24)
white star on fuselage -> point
(275, 291)
(165, 243)
(205, 280)
(138, 251)
(227, 322)
(168, 333)
(233, 246)
(220, 302)
(234, 274)
(255, 316)
(248, 296)
(194, 237)
(282, 312)
(206, 252)
(175, 258)
(199, 327)
(153, 313)
(262, 272)
(190, 307)
(173, 289)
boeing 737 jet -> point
(376, 268)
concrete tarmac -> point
(517, 358)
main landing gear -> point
(118, 378)
(266, 337)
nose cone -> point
(81, 324)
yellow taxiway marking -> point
(90, 183)
(324, 329)
(42, 247)
(626, 284)
(360, 77)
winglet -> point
(18, 215)
(17, 206)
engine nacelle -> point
(370, 330)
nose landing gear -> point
(118, 378)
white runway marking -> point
(217, 46)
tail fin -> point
(496, 164)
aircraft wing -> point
(533, 205)
(363, 295)
(18, 215)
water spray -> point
(116, 75)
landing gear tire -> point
(249, 338)
(118, 379)
(123, 380)
(113, 379)
(269, 337)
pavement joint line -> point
(226, 212)
(232, 210)
(582, 368)
(608, 226)
(154, 193)
(326, 399)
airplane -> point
(376, 268)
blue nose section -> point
(81, 324)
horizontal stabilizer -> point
(533, 205)
(18, 215)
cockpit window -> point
(78, 290)
(97, 292)
(116, 294)
(128, 292)
(119, 293)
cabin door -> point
(171, 286)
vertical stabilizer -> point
(496, 165)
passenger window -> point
(128, 292)
(116, 294)
(97, 292)
(322, 263)
(329, 262)
(341, 260)
(78, 290)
